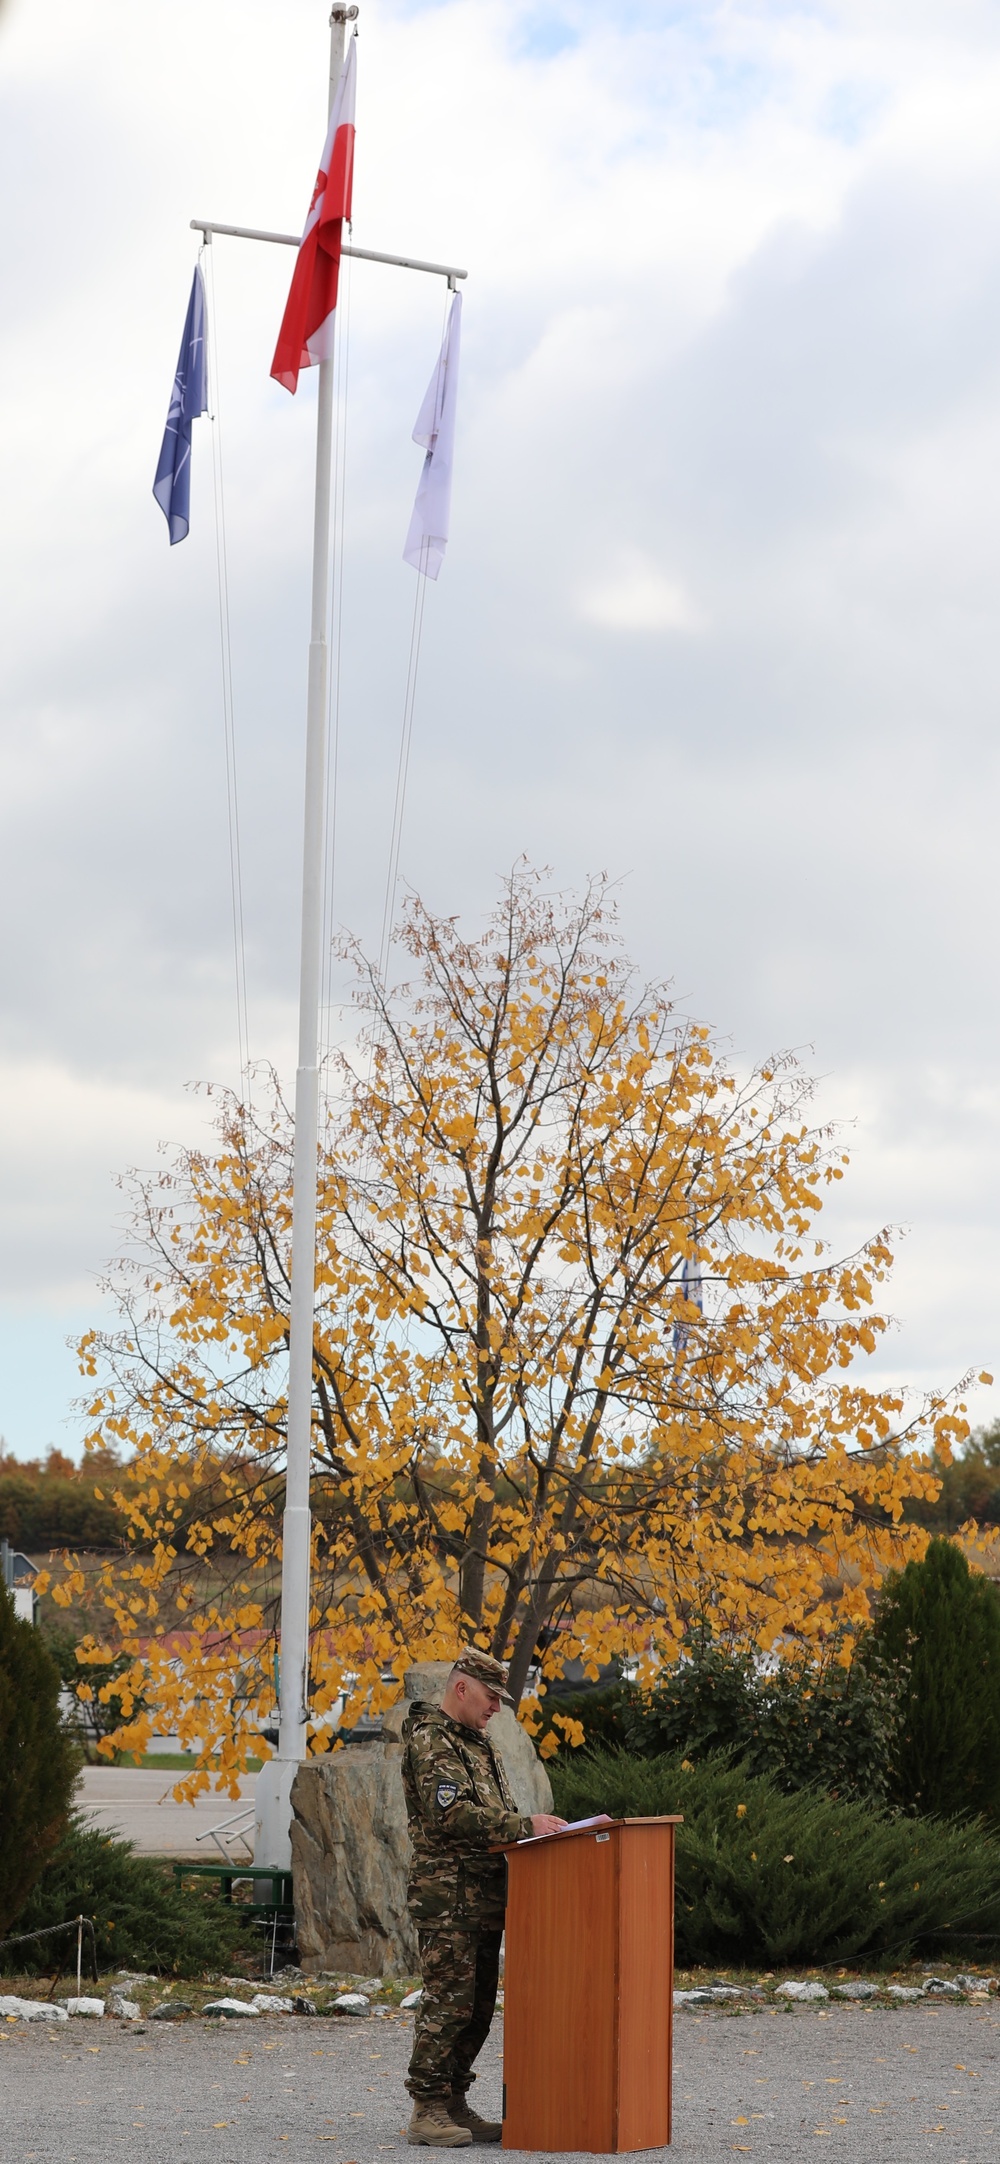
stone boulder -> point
(350, 1855)
(350, 1846)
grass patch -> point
(182, 1762)
(169, 1761)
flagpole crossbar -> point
(292, 240)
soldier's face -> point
(478, 1702)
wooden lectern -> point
(588, 1988)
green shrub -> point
(768, 1877)
(810, 1722)
(940, 1624)
(143, 1919)
(38, 1761)
(94, 1717)
(704, 1704)
(818, 1724)
(603, 1715)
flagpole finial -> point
(342, 15)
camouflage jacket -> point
(459, 1804)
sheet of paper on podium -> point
(574, 1825)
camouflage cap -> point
(484, 1669)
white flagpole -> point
(272, 1840)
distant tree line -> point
(970, 1487)
(51, 1503)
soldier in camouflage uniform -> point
(459, 1806)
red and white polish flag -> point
(306, 334)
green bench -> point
(226, 1875)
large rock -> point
(350, 1846)
(350, 1854)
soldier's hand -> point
(544, 1822)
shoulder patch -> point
(446, 1794)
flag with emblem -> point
(189, 397)
(307, 326)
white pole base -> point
(272, 1832)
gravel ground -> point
(871, 2084)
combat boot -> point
(461, 2112)
(432, 2127)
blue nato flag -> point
(172, 486)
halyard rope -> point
(226, 654)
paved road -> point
(870, 2087)
(138, 1801)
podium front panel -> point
(558, 1995)
(588, 1987)
(646, 1986)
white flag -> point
(435, 429)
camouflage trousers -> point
(460, 1971)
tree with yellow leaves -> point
(583, 1369)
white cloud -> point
(749, 658)
(637, 596)
(65, 1138)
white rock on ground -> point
(708, 1995)
(856, 1987)
(233, 2009)
(903, 1991)
(799, 1991)
(266, 2002)
(412, 1999)
(123, 2009)
(32, 2010)
(86, 2009)
(352, 2002)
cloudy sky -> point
(719, 614)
